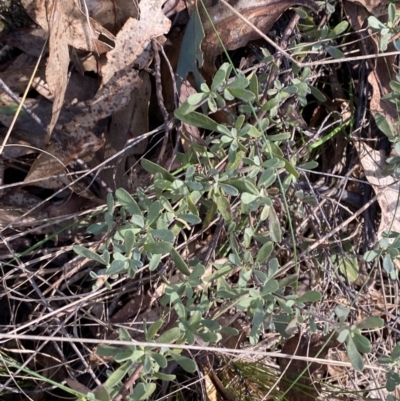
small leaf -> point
(342, 336)
(265, 252)
(179, 262)
(224, 208)
(117, 375)
(375, 23)
(160, 359)
(154, 168)
(243, 186)
(370, 256)
(153, 329)
(354, 356)
(87, 253)
(169, 336)
(362, 343)
(197, 120)
(185, 363)
(127, 201)
(384, 125)
(371, 323)
(160, 247)
(334, 52)
(318, 94)
(310, 296)
(142, 391)
(190, 218)
(274, 226)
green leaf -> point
(242, 94)
(258, 319)
(354, 356)
(163, 234)
(310, 296)
(340, 28)
(169, 336)
(197, 120)
(164, 376)
(153, 213)
(270, 286)
(191, 55)
(309, 165)
(392, 13)
(229, 189)
(384, 125)
(318, 94)
(371, 323)
(179, 262)
(153, 329)
(334, 52)
(117, 375)
(342, 336)
(190, 218)
(159, 247)
(87, 253)
(362, 343)
(185, 363)
(274, 226)
(155, 261)
(196, 98)
(220, 76)
(370, 256)
(240, 82)
(265, 252)
(243, 185)
(154, 168)
(160, 359)
(224, 208)
(142, 391)
(127, 201)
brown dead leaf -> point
(81, 32)
(112, 14)
(29, 40)
(386, 187)
(57, 65)
(233, 32)
(305, 389)
(133, 41)
(375, 7)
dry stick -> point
(160, 98)
(6, 336)
(298, 63)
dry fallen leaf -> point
(83, 133)
(305, 389)
(386, 187)
(81, 32)
(233, 32)
(57, 65)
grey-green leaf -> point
(179, 262)
(87, 253)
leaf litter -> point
(110, 43)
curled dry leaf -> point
(233, 32)
(57, 65)
(386, 187)
(82, 32)
(132, 42)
